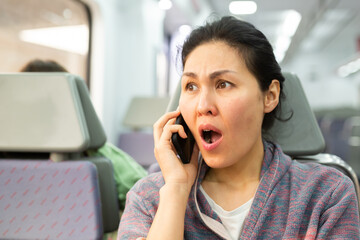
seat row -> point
(49, 187)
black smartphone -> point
(184, 146)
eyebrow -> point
(212, 76)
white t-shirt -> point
(232, 220)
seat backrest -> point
(50, 104)
(140, 117)
(52, 113)
(300, 136)
(143, 112)
(54, 104)
(130, 142)
(96, 131)
(108, 192)
(47, 200)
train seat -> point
(130, 143)
(140, 117)
(300, 137)
(51, 113)
(47, 200)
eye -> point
(223, 84)
(191, 87)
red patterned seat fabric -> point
(47, 200)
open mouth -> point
(211, 136)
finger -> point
(181, 131)
(161, 122)
(163, 145)
(169, 130)
(171, 122)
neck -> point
(233, 186)
(246, 170)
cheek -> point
(183, 105)
(236, 113)
(187, 109)
(244, 111)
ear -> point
(271, 99)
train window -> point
(56, 30)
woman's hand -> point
(174, 171)
(179, 178)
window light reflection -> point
(73, 39)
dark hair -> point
(43, 66)
(251, 44)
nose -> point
(207, 103)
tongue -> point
(215, 136)
(211, 136)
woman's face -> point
(222, 104)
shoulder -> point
(143, 197)
(303, 174)
(319, 176)
(310, 168)
(320, 190)
(332, 197)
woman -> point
(242, 187)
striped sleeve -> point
(340, 220)
(140, 209)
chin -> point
(216, 162)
